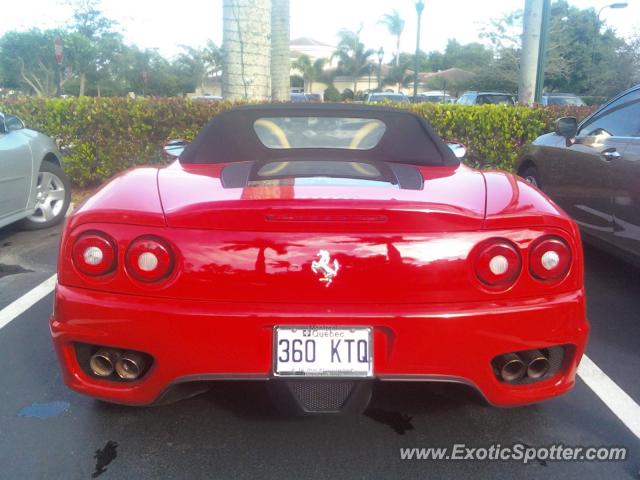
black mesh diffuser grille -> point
(321, 396)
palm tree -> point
(353, 58)
(212, 57)
(246, 72)
(200, 63)
(398, 76)
(395, 26)
(311, 71)
(280, 68)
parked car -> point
(435, 97)
(298, 97)
(321, 248)
(206, 97)
(486, 98)
(381, 97)
(592, 170)
(34, 190)
(315, 97)
(209, 98)
(562, 99)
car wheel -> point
(531, 175)
(53, 196)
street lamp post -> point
(419, 9)
(613, 6)
(369, 68)
(380, 57)
(542, 51)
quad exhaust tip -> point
(102, 363)
(510, 367)
(513, 367)
(537, 364)
(127, 365)
(130, 365)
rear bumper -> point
(196, 340)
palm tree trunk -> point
(83, 83)
(398, 59)
(246, 73)
(280, 63)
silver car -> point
(34, 189)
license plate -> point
(323, 351)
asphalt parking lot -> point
(47, 431)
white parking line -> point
(25, 302)
(618, 401)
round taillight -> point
(94, 254)
(149, 259)
(497, 263)
(550, 259)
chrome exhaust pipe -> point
(130, 365)
(510, 367)
(102, 363)
(537, 364)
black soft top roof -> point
(230, 137)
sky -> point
(166, 25)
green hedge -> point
(102, 136)
(494, 134)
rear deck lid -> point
(322, 197)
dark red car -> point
(321, 248)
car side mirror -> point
(566, 127)
(174, 148)
(458, 149)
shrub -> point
(102, 136)
(347, 94)
(494, 134)
(331, 94)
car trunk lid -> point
(335, 240)
(406, 199)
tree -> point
(280, 67)
(424, 60)
(504, 32)
(194, 65)
(395, 26)
(353, 57)
(312, 71)
(212, 56)
(28, 60)
(190, 67)
(583, 56)
(501, 74)
(90, 27)
(246, 72)
(472, 56)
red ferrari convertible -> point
(321, 248)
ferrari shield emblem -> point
(323, 265)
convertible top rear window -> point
(314, 132)
(319, 132)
